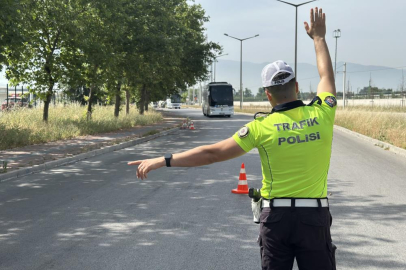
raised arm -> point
(198, 156)
(317, 31)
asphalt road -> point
(95, 214)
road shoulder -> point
(35, 158)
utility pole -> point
(344, 77)
(371, 96)
(7, 96)
(241, 40)
(201, 94)
(336, 35)
(402, 89)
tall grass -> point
(375, 108)
(384, 125)
(24, 126)
(253, 109)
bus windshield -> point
(175, 98)
(221, 95)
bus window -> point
(175, 98)
(221, 95)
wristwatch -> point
(168, 158)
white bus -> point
(173, 102)
(218, 99)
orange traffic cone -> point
(242, 187)
(192, 126)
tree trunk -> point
(146, 100)
(118, 101)
(89, 104)
(51, 81)
(127, 101)
(141, 106)
(47, 101)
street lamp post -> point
(215, 60)
(296, 6)
(241, 40)
(336, 35)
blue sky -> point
(373, 31)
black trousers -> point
(302, 233)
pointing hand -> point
(147, 165)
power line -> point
(341, 66)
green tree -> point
(9, 30)
(39, 58)
(261, 94)
(174, 52)
(148, 49)
(248, 93)
(93, 52)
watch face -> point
(168, 156)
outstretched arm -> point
(199, 156)
(317, 31)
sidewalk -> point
(20, 159)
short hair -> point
(281, 92)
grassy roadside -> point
(25, 126)
(384, 123)
(387, 124)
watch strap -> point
(168, 158)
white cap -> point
(273, 70)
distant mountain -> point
(358, 75)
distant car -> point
(12, 102)
(162, 104)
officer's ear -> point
(268, 95)
(297, 88)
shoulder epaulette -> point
(259, 115)
(316, 98)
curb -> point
(385, 146)
(64, 161)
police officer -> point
(294, 143)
